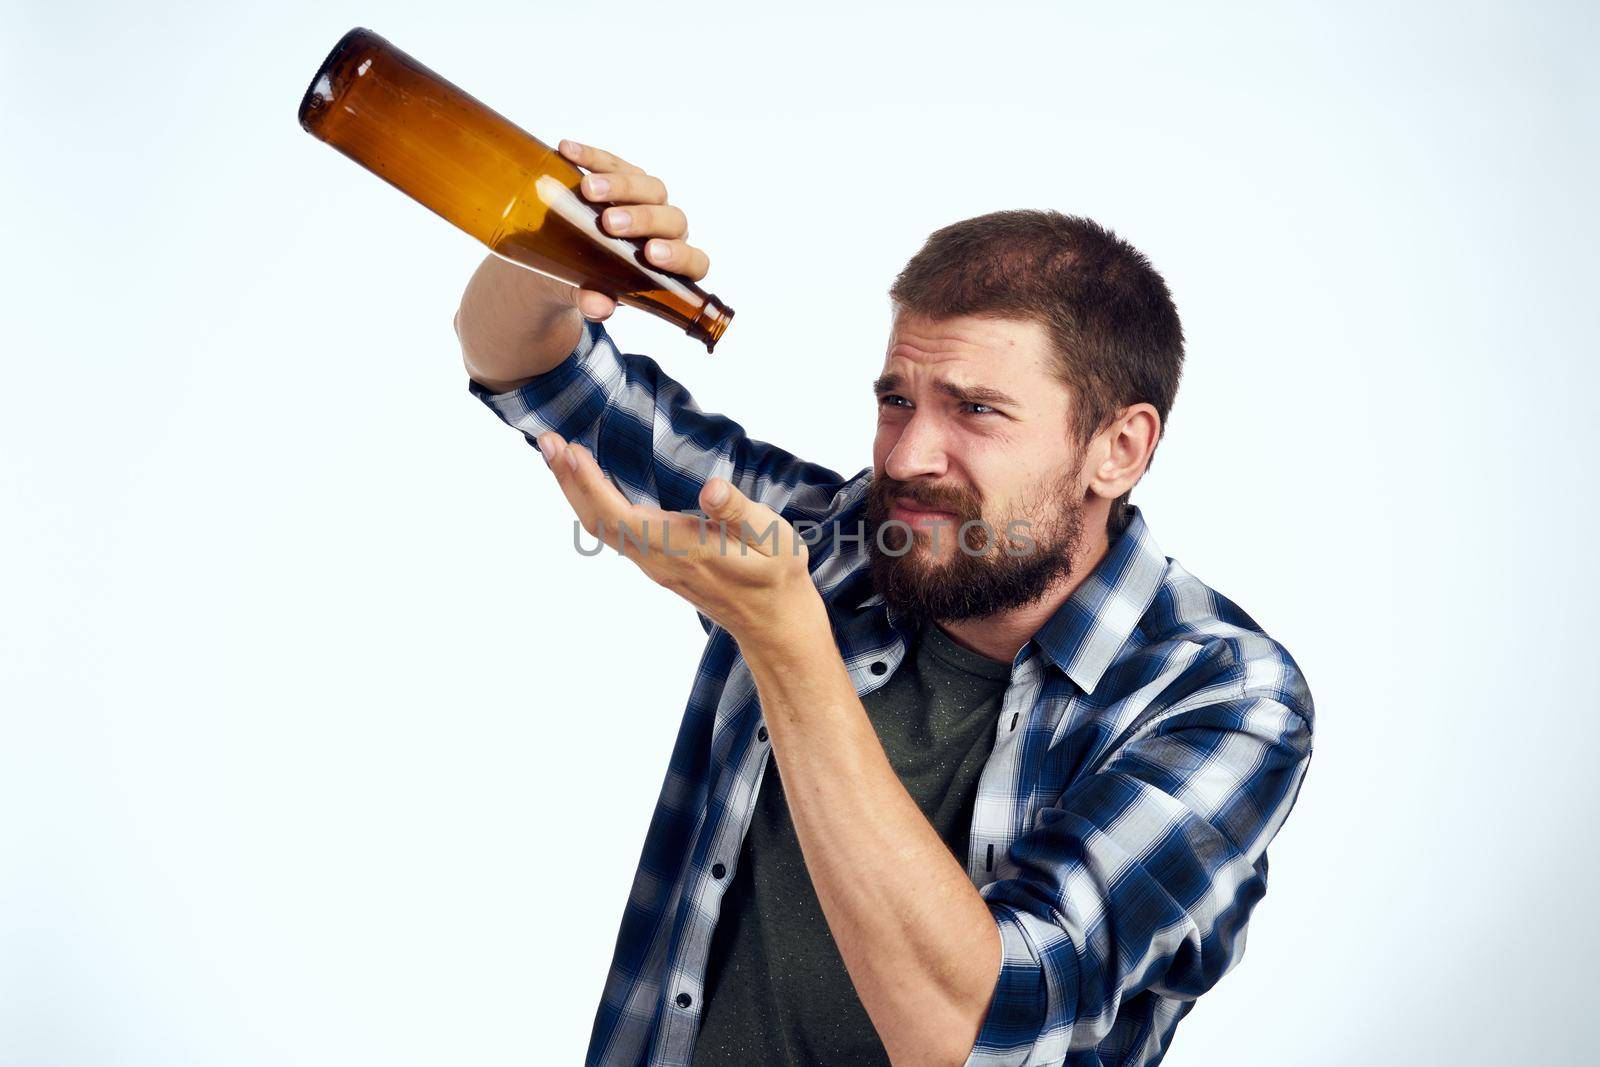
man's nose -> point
(919, 451)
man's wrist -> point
(791, 634)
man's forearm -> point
(514, 324)
(919, 942)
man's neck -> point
(999, 637)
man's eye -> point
(986, 409)
(893, 400)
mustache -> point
(949, 498)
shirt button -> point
(718, 870)
(761, 734)
(684, 1000)
(879, 667)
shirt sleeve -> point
(1140, 877)
(651, 438)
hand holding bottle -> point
(637, 208)
(513, 323)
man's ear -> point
(1120, 453)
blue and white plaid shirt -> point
(1150, 743)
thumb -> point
(593, 306)
(721, 499)
(751, 522)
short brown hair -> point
(1109, 314)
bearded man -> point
(970, 773)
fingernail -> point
(717, 494)
(572, 459)
(598, 187)
(547, 445)
(658, 250)
(618, 220)
(569, 147)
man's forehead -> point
(968, 346)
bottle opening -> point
(712, 322)
(335, 73)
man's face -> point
(973, 424)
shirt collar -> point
(1085, 634)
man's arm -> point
(1140, 877)
(921, 947)
(649, 436)
(514, 325)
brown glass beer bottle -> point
(474, 167)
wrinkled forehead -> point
(982, 350)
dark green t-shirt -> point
(776, 988)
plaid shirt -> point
(1151, 742)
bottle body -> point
(487, 176)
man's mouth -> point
(918, 517)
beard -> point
(973, 575)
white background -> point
(321, 746)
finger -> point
(592, 158)
(653, 538)
(678, 257)
(613, 188)
(751, 522)
(646, 220)
(600, 506)
(595, 306)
